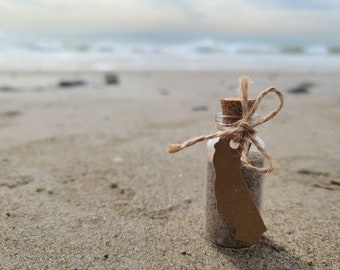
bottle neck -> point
(227, 120)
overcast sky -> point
(238, 16)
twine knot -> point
(242, 131)
(246, 127)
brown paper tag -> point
(233, 197)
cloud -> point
(27, 2)
(248, 17)
(267, 16)
(293, 4)
(87, 14)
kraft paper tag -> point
(233, 197)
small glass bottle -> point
(217, 228)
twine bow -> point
(241, 131)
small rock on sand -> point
(6, 88)
(71, 83)
(200, 108)
(164, 92)
(302, 88)
(111, 78)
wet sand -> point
(86, 182)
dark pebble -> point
(302, 88)
(72, 83)
(164, 92)
(334, 182)
(6, 88)
(113, 185)
(106, 256)
(11, 113)
(199, 108)
(313, 173)
(111, 79)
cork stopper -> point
(232, 108)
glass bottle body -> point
(217, 228)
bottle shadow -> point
(266, 255)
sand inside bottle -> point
(217, 228)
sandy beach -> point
(86, 182)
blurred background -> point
(162, 34)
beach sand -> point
(86, 182)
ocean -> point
(105, 50)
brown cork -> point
(232, 107)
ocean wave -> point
(195, 47)
(208, 47)
(49, 45)
(195, 54)
(317, 50)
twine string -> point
(242, 131)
